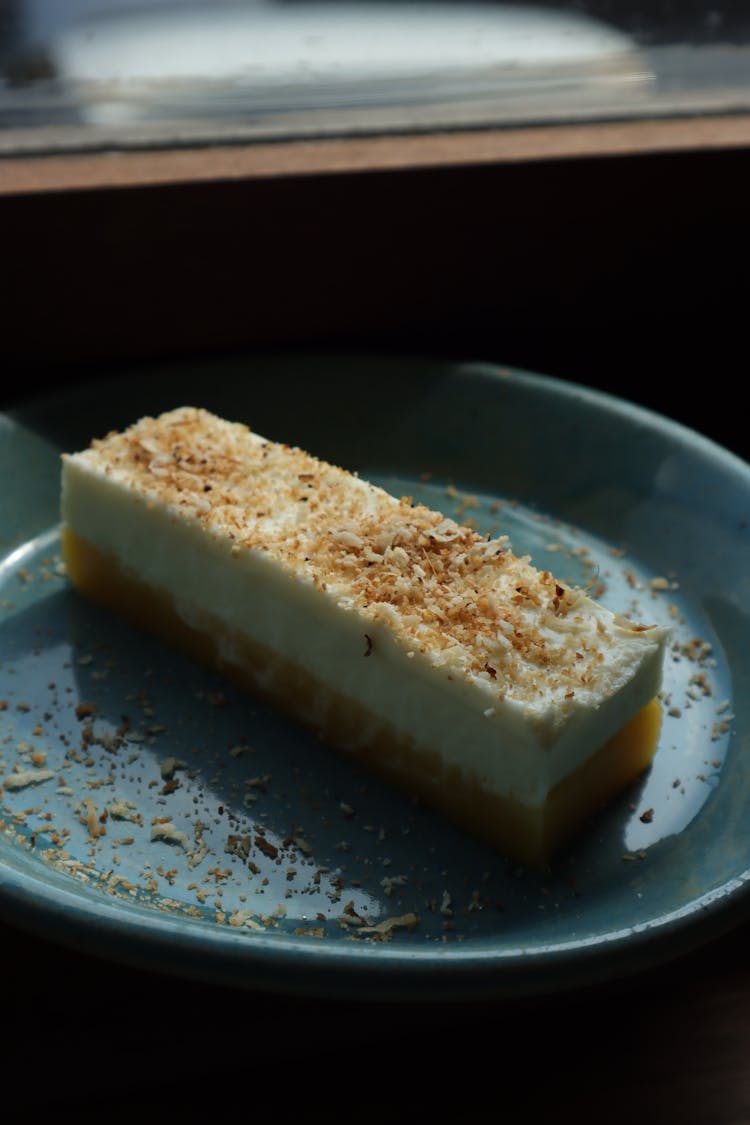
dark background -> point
(627, 273)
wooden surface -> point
(627, 272)
(434, 149)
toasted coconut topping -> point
(467, 603)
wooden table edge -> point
(63, 172)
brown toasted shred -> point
(386, 929)
(166, 831)
(93, 821)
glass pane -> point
(82, 74)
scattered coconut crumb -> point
(301, 843)
(235, 751)
(244, 918)
(169, 765)
(23, 778)
(388, 926)
(660, 583)
(123, 810)
(93, 821)
(170, 834)
(389, 882)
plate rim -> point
(109, 928)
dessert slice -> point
(511, 702)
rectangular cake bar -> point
(510, 702)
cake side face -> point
(499, 668)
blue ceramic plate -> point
(153, 815)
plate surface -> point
(153, 815)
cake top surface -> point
(466, 602)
